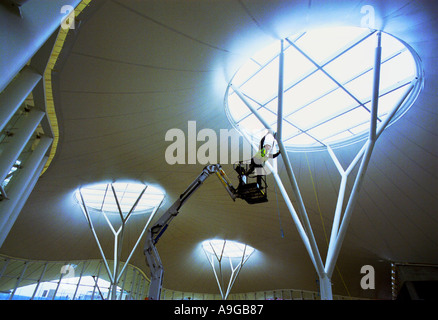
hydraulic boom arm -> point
(156, 231)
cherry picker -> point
(250, 192)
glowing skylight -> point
(328, 79)
(227, 248)
(100, 197)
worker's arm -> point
(275, 155)
(262, 142)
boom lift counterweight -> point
(156, 231)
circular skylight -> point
(328, 80)
(100, 197)
(227, 248)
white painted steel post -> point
(17, 283)
(316, 257)
(335, 245)
(97, 279)
(93, 231)
(15, 93)
(122, 289)
(376, 84)
(12, 150)
(79, 280)
(325, 287)
(39, 281)
(21, 187)
(290, 206)
(334, 253)
(23, 37)
(302, 209)
(117, 273)
(138, 240)
(280, 93)
(326, 292)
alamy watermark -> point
(207, 146)
(368, 20)
(210, 152)
(368, 281)
(68, 271)
(369, 17)
(68, 17)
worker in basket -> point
(259, 159)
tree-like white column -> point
(226, 259)
(118, 200)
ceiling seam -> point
(168, 27)
(257, 23)
(137, 64)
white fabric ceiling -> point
(135, 69)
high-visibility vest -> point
(261, 154)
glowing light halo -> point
(327, 86)
(227, 248)
(100, 197)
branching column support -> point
(333, 252)
(235, 267)
(340, 222)
(116, 274)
